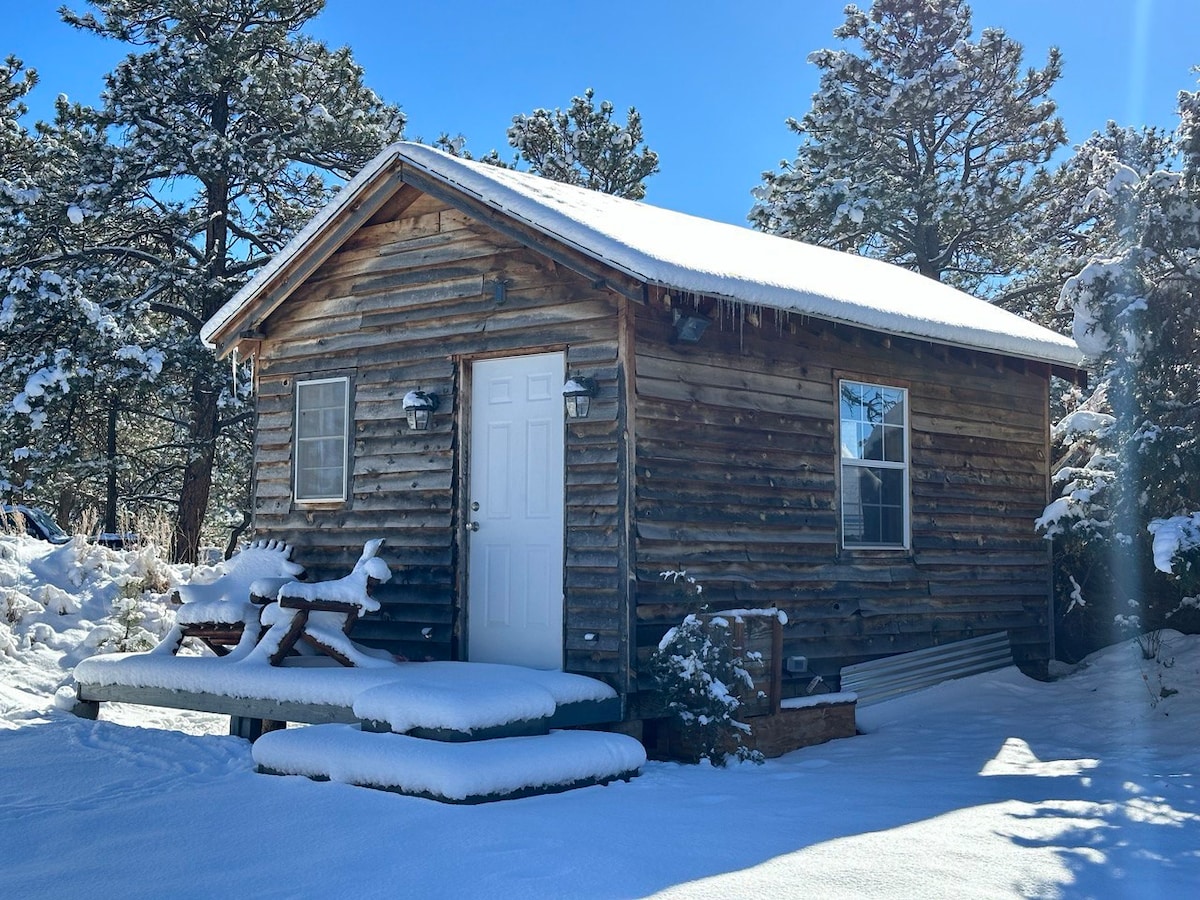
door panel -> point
(515, 557)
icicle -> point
(233, 372)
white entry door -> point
(515, 512)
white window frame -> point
(847, 462)
(345, 437)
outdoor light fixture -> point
(689, 327)
(577, 396)
(419, 407)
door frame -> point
(461, 551)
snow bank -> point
(452, 771)
(982, 787)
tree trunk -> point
(197, 475)
(205, 420)
(110, 463)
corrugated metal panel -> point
(882, 679)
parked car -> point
(125, 540)
(33, 521)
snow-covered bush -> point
(123, 632)
(18, 605)
(700, 676)
(78, 599)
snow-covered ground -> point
(994, 786)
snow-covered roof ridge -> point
(683, 252)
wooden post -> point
(252, 729)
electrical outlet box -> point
(796, 664)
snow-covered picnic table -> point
(257, 607)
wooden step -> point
(451, 772)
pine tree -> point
(229, 128)
(16, 145)
(1130, 454)
(58, 340)
(457, 146)
(922, 147)
(1079, 221)
(582, 145)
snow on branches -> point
(581, 145)
(1128, 456)
(922, 147)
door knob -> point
(474, 526)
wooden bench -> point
(224, 613)
(323, 613)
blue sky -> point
(714, 81)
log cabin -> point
(544, 398)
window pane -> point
(872, 403)
(871, 441)
(893, 444)
(873, 505)
(891, 525)
(891, 486)
(321, 440)
(851, 403)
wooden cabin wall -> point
(400, 306)
(736, 463)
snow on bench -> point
(220, 612)
(322, 613)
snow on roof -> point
(686, 253)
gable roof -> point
(681, 252)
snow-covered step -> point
(471, 772)
(451, 701)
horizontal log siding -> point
(736, 482)
(397, 308)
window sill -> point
(319, 504)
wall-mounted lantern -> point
(577, 396)
(689, 327)
(419, 407)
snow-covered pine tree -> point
(923, 146)
(17, 191)
(65, 357)
(230, 128)
(1129, 455)
(457, 146)
(582, 145)
(16, 145)
(1079, 222)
